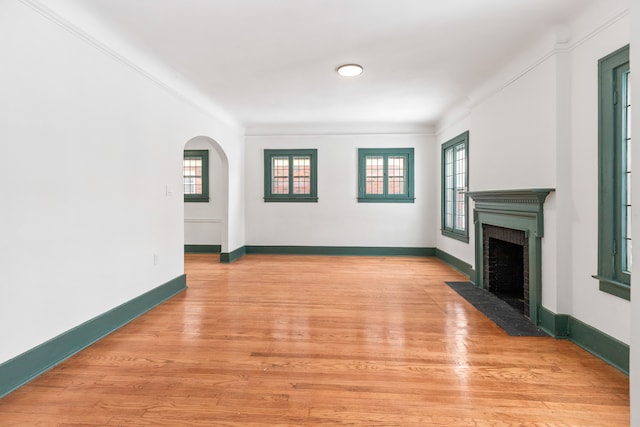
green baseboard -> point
(596, 342)
(456, 263)
(607, 348)
(23, 368)
(341, 250)
(229, 257)
(202, 249)
(556, 325)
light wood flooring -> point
(321, 340)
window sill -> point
(384, 200)
(196, 199)
(291, 199)
(457, 236)
(614, 287)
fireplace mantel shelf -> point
(530, 196)
(524, 202)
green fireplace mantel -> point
(519, 210)
(523, 202)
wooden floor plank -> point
(275, 340)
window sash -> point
(290, 175)
(385, 175)
(614, 158)
(195, 171)
(454, 188)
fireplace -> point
(506, 265)
(509, 227)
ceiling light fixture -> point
(349, 70)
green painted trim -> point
(613, 287)
(23, 368)
(456, 263)
(455, 235)
(204, 156)
(554, 324)
(202, 249)
(229, 257)
(291, 197)
(385, 197)
(601, 345)
(524, 202)
(341, 250)
(611, 181)
(596, 342)
(463, 236)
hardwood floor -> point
(310, 340)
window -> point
(455, 179)
(614, 187)
(195, 169)
(290, 176)
(385, 175)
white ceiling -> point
(273, 61)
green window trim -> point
(394, 184)
(455, 213)
(614, 262)
(196, 178)
(292, 173)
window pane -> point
(448, 185)
(454, 186)
(302, 175)
(192, 172)
(280, 175)
(460, 211)
(460, 167)
(397, 175)
(189, 185)
(461, 179)
(374, 175)
(449, 208)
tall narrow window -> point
(385, 175)
(614, 187)
(290, 176)
(195, 170)
(455, 179)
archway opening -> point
(205, 218)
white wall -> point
(606, 312)
(513, 135)
(534, 125)
(338, 219)
(90, 178)
(203, 221)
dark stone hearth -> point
(509, 319)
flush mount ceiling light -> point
(349, 70)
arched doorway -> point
(206, 221)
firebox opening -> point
(507, 273)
